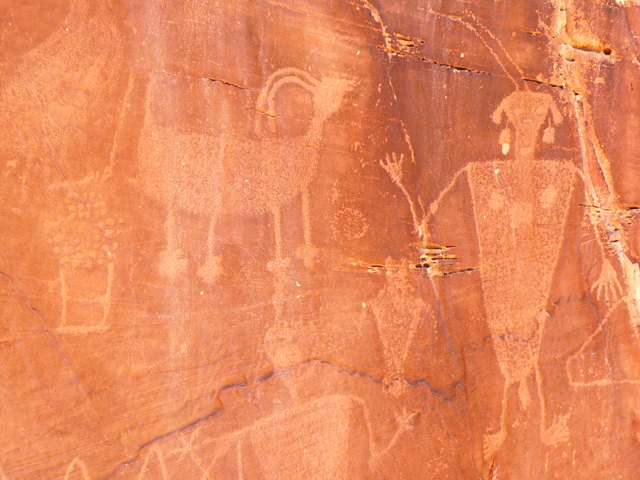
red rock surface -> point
(319, 239)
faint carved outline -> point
(80, 50)
(599, 382)
(77, 464)
(335, 407)
(398, 311)
(85, 240)
(86, 25)
(188, 447)
(154, 451)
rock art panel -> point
(335, 239)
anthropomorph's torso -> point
(519, 236)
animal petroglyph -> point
(47, 102)
(84, 238)
(317, 438)
(520, 208)
(398, 311)
(211, 175)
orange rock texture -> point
(319, 239)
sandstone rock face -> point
(347, 239)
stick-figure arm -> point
(556, 114)
(435, 205)
(497, 114)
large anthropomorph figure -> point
(520, 208)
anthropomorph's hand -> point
(607, 287)
(393, 166)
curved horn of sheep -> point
(266, 98)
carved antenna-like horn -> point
(266, 98)
(285, 72)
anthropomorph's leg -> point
(211, 269)
(558, 432)
(493, 441)
(173, 263)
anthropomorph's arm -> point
(607, 286)
(393, 165)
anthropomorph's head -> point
(526, 113)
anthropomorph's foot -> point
(309, 254)
(173, 264)
(211, 269)
(558, 432)
(492, 443)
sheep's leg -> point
(279, 264)
(173, 263)
(277, 232)
(278, 341)
(211, 269)
(307, 252)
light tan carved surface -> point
(321, 239)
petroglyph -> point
(392, 164)
(609, 218)
(51, 93)
(212, 175)
(77, 465)
(84, 238)
(520, 208)
(317, 436)
(188, 448)
(600, 377)
(349, 224)
(398, 311)
(525, 113)
(47, 98)
(154, 466)
(519, 239)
